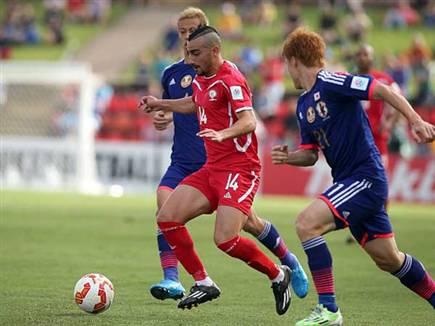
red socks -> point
(181, 243)
(246, 250)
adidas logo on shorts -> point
(227, 195)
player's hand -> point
(149, 104)
(422, 131)
(279, 154)
(214, 135)
(161, 120)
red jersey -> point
(217, 99)
(374, 110)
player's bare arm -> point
(245, 124)
(390, 116)
(300, 157)
(151, 104)
(161, 120)
(422, 131)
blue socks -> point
(168, 260)
(320, 263)
(271, 239)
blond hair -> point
(306, 46)
(194, 12)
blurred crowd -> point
(275, 105)
(344, 25)
(20, 23)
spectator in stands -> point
(11, 29)
(328, 24)
(429, 15)
(248, 10)
(393, 18)
(159, 62)
(397, 67)
(356, 25)
(28, 19)
(229, 22)
(419, 56)
(266, 13)
(19, 25)
(143, 74)
(423, 94)
(5, 46)
(250, 57)
(54, 20)
(419, 51)
(401, 15)
(272, 78)
(171, 41)
(293, 18)
(99, 10)
(54, 9)
(76, 9)
(55, 30)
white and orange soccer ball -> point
(94, 293)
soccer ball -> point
(94, 293)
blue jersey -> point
(331, 118)
(187, 147)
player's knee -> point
(218, 239)
(222, 237)
(305, 225)
(254, 226)
(164, 216)
(390, 262)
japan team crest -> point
(321, 109)
(186, 81)
(311, 115)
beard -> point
(198, 70)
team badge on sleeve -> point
(236, 92)
(321, 109)
(359, 83)
(186, 81)
(316, 96)
(311, 115)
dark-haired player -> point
(229, 179)
(188, 155)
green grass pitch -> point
(48, 241)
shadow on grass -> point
(73, 314)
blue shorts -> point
(359, 203)
(176, 172)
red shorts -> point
(235, 188)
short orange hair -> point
(306, 46)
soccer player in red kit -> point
(382, 116)
(229, 179)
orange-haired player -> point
(332, 119)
